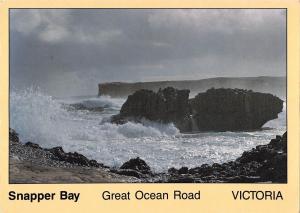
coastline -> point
(29, 163)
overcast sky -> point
(68, 52)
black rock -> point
(166, 106)
(280, 143)
(233, 109)
(213, 110)
(137, 164)
(129, 172)
(32, 145)
(182, 179)
(13, 136)
(275, 169)
(94, 163)
(172, 171)
(265, 163)
(72, 157)
(183, 170)
(260, 154)
(243, 179)
(58, 152)
(203, 170)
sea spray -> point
(37, 117)
(45, 120)
(93, 102)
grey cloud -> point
(67, 52)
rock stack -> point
(234, 109)
(168, 105)
(214, 110)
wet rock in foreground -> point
(13, 137)
(135, 167)
(30, 163)
(137, 164)
(57, 153)
(265, 163)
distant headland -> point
(266, 84)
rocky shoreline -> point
(30, 163)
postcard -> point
(149, 106)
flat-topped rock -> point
(214, 110)
(234, 109)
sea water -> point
(50, 122)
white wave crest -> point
(42, 119)
(147, 129)
(277, 123)
(94, 102)
(37, 117)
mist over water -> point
(50, 122)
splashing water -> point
(45, 120)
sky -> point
(67, 52)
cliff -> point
(273, 85)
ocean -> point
(50, 121)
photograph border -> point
(214, 197)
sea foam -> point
(44, 120)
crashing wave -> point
(43, 119)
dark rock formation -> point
(234, 109)
(272, 157)
(30, 163)
(13, 137)
(167, 105)
(57, 153)
(72, 157)
(214, 110)
(137, 164)
(129, 172)
(135, 167)
(32, 145)
(265, 163)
